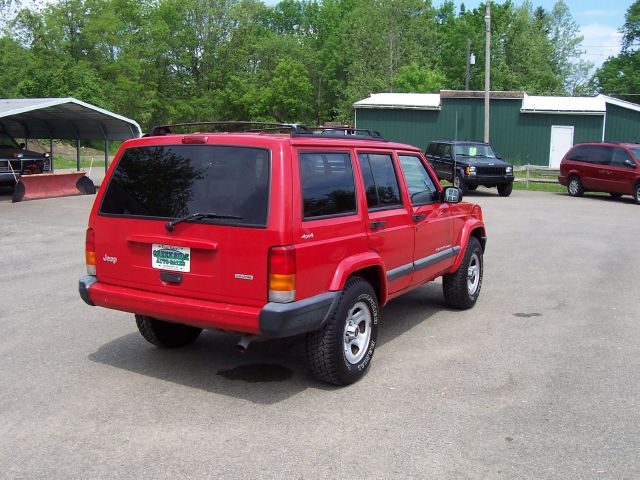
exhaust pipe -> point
(243, 343)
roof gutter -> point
(398, 107)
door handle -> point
(378, 224)
(418, 217)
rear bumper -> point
(562, 180)
(275, 320)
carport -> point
(64, 119)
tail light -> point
(194, 139)
(90, 251)
(282, 274)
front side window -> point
(327, 183)
(422, 189)
(440, 150)
(380, 180)
(619, 157)
(172, 181)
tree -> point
(566, 39)
(412, 78)
(620, 75)
(631, 28)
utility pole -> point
(487, 70)
(467, 74)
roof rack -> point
(341, 132)
(295, 130)
(262, 126)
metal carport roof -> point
(63, 118)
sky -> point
(598, 20)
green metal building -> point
(524, 129)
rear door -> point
(328, 221)
(593, 168)
(389, 225)
(433, 251)
(437, 159)
(222, 258)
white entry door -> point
(561, 142)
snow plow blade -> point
(49, 185)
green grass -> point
(70, 162)
(534, 187)
(539, 187)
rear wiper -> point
(169, 225)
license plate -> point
(168, 257)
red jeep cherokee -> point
(602, 167)
(274, 234)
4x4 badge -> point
(307, 236)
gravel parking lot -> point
(540, 380)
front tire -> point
(462, 287)
(166, 334)
(574, 187)
(636, 193)
(505, 189)
(340, 352)
(458, 181)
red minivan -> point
(602, 167)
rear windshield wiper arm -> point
(169, 225)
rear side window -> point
(599, 155)
(579, 154)
(328, 187)
(172, 181)
(380, 180)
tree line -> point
(306, 61)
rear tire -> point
(462, 287)
(636, 193)
(340, 352)
(574, 187)
(505, 189)
(166, 334)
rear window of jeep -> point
(172, 181)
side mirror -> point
(452, 195)
(22, 146)
(630, 163)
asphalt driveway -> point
(540, 380)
